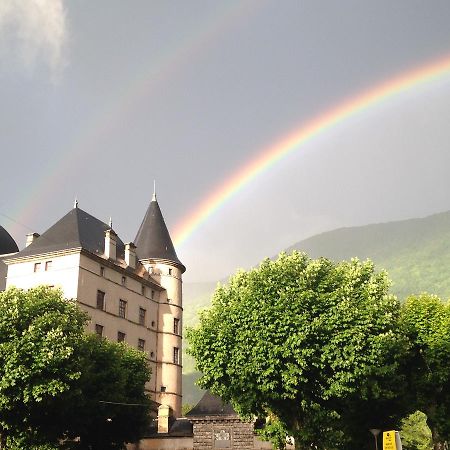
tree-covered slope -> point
(415, 252)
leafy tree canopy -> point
(415, 433)
(426, 322)
(311, 342)
(54, 378)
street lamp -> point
(375, 432)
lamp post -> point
(375, 432)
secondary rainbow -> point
(155, 71)
(295, 140)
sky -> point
(100, 98)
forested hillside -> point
(415, 252)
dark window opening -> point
(122, 308)
(100, 300)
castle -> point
(131, 291)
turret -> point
(155, 250)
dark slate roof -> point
(7, 243)
(211, 405)
(76, 229)
(153, 239)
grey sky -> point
(98, 98)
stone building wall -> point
(215, 433)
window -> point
(153, 324)
(152, 355)
(122, 308)
(124, 281)
(153, 294)
(99, 329)
(100, 300)
(176, 326)
(102, 271)
(142, 316)
(143, 290)
(176, 355)
(120, 336)
(37, 267)
(48, 265)
(141, 344)
(170, 271)
(163, 389)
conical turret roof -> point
(153, 239)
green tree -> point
(415, 433)
(41, 335)
(310, 342)
(426, 322)
(58, 383)
(109, 406)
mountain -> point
(414, 252)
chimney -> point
(130, 255)
(163, 418)
(31, 238)
(110, 244)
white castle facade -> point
(131, 291)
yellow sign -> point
(389, 440)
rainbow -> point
(299, 137)
(169, 63)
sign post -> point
(391, 440)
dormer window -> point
(37, 267)
(48, 265)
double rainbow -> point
(295, 140)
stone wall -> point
(216, 433)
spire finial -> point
(154, 191)
(75, 203)
(110, 223)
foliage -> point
(111, 407)
(186, 408)
(426, 322)
(273, 431)
(40, 342)
(412, 251)
(415, 433)
(55, 378)
(311, 342)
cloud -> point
(33, 32)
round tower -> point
(156, 252)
